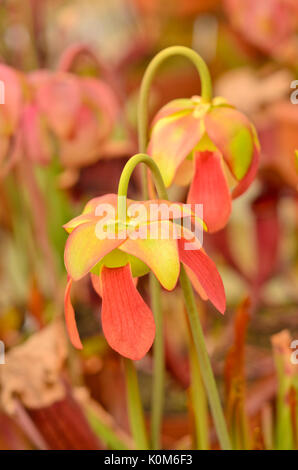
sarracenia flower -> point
(114, 262)
(211, 145)
(79, 112)
(271, 26)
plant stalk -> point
(158, 368)
(135, 408)
(198, 400)
(204, 361)
(158, 365)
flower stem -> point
(135, 409)
(158, 376)
(203, 358)
(198, 399)
(125, 177)
(158, 365)
(149, 75)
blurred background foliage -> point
(53, 397)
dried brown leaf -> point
(32, 370)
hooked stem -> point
(125, 178)
(149, 75)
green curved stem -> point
(135, 409)
(198, 399)
(149, 75)
(204, 361)
(125, 177)
(157, 401)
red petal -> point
(127, 321)
(96, 283)
(209, 187)
(206, 272)
(196, 284)
(70, 318)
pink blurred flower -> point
(47, 112)
(266, 24)
(277, 128)
(79, 111)
(13, 84)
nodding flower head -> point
(271, 26)
(137, 245)
(79, 112)
(210, 145)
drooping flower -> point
(78, 112)
(211, 145)
(268, 25)
(114, 262)
(277, 129)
